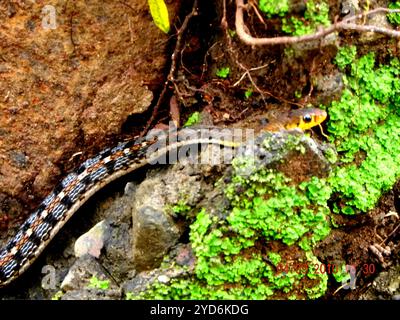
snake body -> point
(76, 188)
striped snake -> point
(92, 175)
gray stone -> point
(92, 294)
(386, 285)
(276, 150)
(154, 230)
(92, 242)
(154, 233)
(379, 20)
(349, 8)
(328, 86)
(146, 278)
(79, 275)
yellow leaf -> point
(159, 12)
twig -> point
(205, 66)
(71, 23)
(257, 12)
(234, 55)
(395, 229)
(173, 68)
(247, 72)
(322, 32)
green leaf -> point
(223, 72)
(194, 118)
(159, 12)
(96, 283)
(248, 93)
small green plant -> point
(57, 296)
(274, 7)
(394, 18)
(232, 33)
(96, 283)
(223, 72)
(180, 208)
(342, 274)
(364, 126)
(316, 14)
(194, 118)
(129, 296)
(248, 93)
(345, 56)
(275, 258)
(159, 13)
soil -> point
(67, 93)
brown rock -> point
(65, 89)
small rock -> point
(116, 251)
(78, 276)
(185, 256)
(386, 285)
(92, 241)
(328, 86)
(349, 8)
(303, 157)
(163, 279)
(19, 159)
(154, 233)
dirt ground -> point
(58, 101)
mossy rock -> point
(267, 211)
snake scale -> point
(76, 188)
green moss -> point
(232, 33)
(315, 15)
(96, 283)
(394, 18)
(179, 208)
(288, 214)
(180, 289)
(275, 258)
(345, 56)
(129, 296)
(274, 7)
(57, 296)
(364, 126)
(320, 288)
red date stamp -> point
(322, 268)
